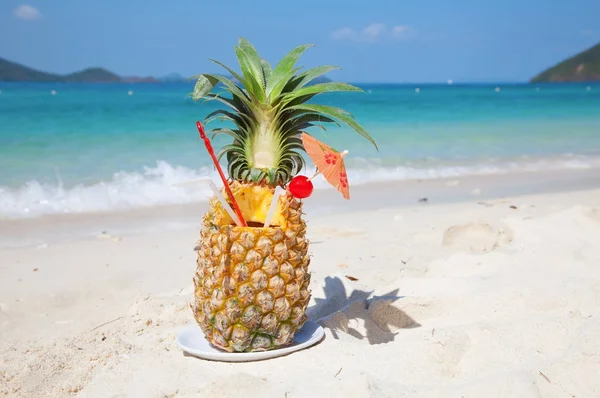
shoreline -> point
(57, 228)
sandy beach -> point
(475, 297)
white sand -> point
(457, 300)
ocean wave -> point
(166, 184)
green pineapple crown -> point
(269, 110)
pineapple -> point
(252, 283)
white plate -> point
(192, 340)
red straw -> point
(211, 152)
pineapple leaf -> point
(253, 59)
(208, 120)
(285, 105)
(235, 164)
(282, 71)
(236, 104)
(337, 113)
(285, 171)
(320, 88)
(309, 125)
(267, 70)
(275, 96)
(306, 77)
(235, 170)
(225, 101)
(241, 120)
(249, 109)
(256, 174)
(232, 88)
(291, 140)
(292, 146)
(235, 134)
(289, 166)
(272, 175)
(313, 73)
(287, 116)
(299, 160)
(307, 118)
(203, 86)
(253, 85)
(229, 148)
(228, 69)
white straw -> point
(278, 192)
(219, 196)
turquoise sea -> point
(67, 148)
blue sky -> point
(394, 41)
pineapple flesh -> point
(251, 286)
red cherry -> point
(301, 187)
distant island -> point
(581, 67)
(14, 72)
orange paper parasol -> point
(329, 162)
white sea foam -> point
(167, 184)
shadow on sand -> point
(338, 311)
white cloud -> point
(587, 32)
(373, 32)
(27, 12)
(403, 32)
(399, 30)
(343, 33)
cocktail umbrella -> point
(329, 162)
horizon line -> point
(444, 83)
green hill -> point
(13, 72)
(582, 67)
(98, 75)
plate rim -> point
(315, 338)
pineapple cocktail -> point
(252, 282)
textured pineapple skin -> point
(252, 284)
